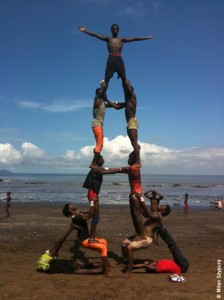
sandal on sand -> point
(176, 278)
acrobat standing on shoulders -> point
(114, 45)
(100, 104)
(130, 114)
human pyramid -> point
(144, 233)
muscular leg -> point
(133, 136)
(95, 220)
(130, 260)
(136, 216)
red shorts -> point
(92, 196)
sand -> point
(33, 228)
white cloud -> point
(9, 155)
(31, 151)
(155, 159)
(30, 104)
(61, 106)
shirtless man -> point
(130, 244)
(132, 122)
(136, 200)
(154, 198)
(114, 45)
(93, 183)
(177, 265)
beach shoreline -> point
(33, 227)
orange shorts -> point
(101, 246)
(98, 133)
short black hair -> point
(166, 211)
(97, 90)
(66, 211)
(114, 25)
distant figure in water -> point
(8, 204)
(186, 204)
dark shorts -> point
(115, 64)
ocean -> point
(202, 189)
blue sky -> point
(50, 70)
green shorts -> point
(132, 123)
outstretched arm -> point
(109, 170)
(96, 35)
(136, 39)
(59, 242)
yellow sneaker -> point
(44, 262)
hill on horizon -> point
(5, 172)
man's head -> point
(153, 194)
(69, 210)
(99, 160)
(132, 158)
(114, 30)
(101, 93)
(164, 209)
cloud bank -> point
(60, 106)
(155, 159)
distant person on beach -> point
(93, 183)
(8, 204)
(177, 265)
(79, 222)
(218, 204)
(99, 106)
(114, 45)
(185, 213)
(130, 245)
(132, 122)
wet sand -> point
(33, 228)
